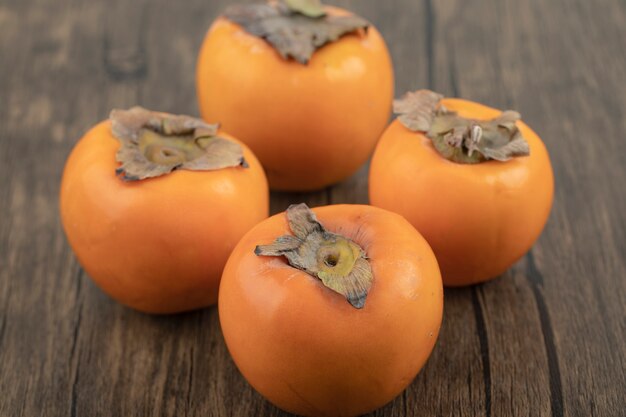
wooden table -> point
(547, 338)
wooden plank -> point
(39, 310)
(547, 313)
(471, 67)
(582, 264)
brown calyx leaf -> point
(155, 144)
(416, 110)
(338, 262)
(459, 139)
(295, 28)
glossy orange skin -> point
(303, 346)
(479, 219)
(157, 245)
(310, 125)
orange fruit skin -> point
(158, 245)
(303, 346)
(310, 125)
(479, 219)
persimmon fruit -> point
(479, 214)
(311, 121)
(159, 244)
(347, 328)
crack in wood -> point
(3, 317)
(79, 276)
(3, 322)
(73, 393)
(556, 391)
(430, 41)
(123, 65)
(454, 76)
(483, 338)
(126, 60)
(189, 381)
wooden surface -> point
(548, 338)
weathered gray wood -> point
(547, 338)
(545, 323)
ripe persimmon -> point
(155, 232)
(476, 182)
(336, 320)
(309, 90)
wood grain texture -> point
(546, 339)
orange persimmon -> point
(311, 123)
(479, 217)
(344, 330)
(159, 244)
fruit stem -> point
(459, 139)
(338, 262)
(154, 144)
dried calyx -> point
(457, 138)
(338, 262)
(295, 28)
(155, 144)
